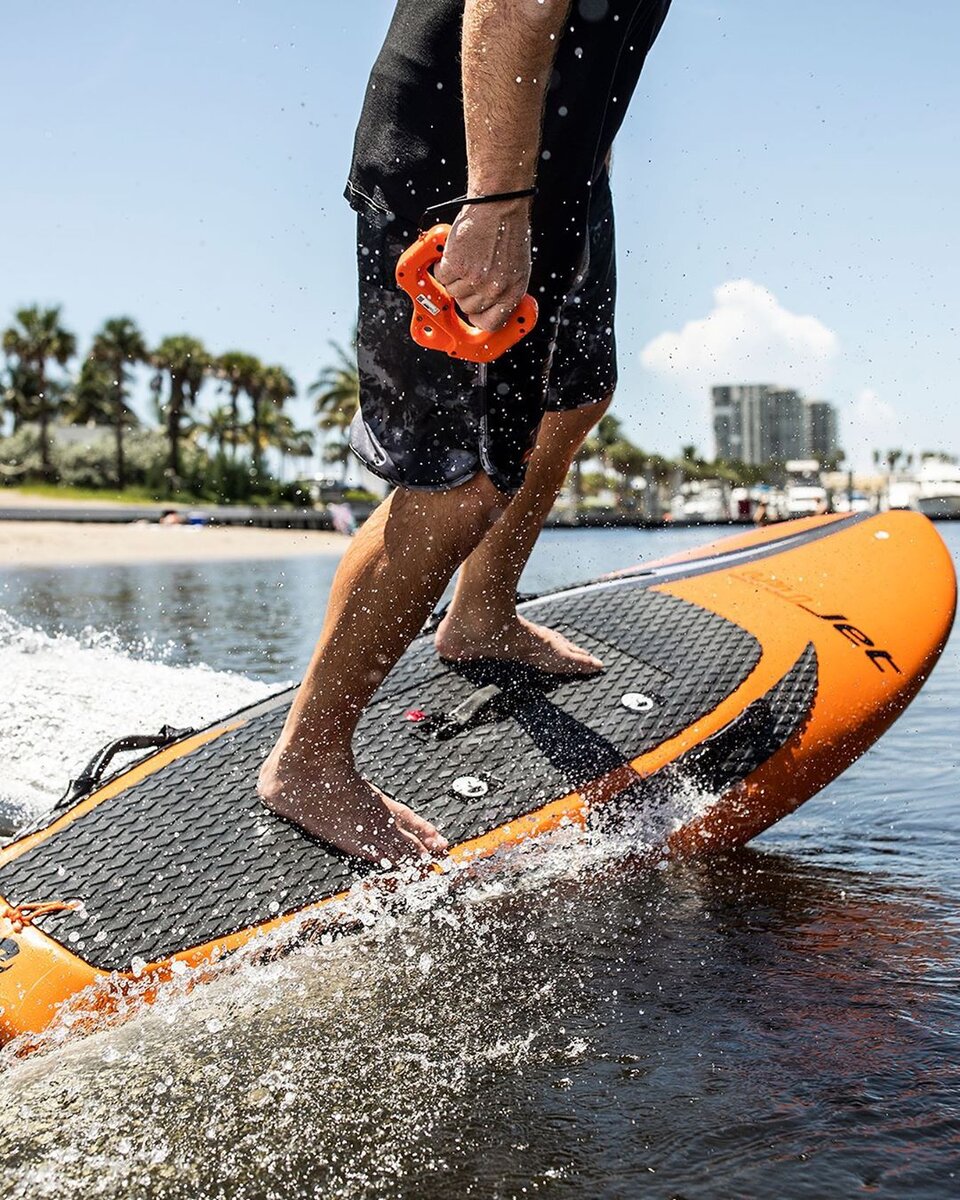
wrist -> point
(509, 206)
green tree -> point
(628, 461)
(182, 362)
(20, 393)
(219, 429)
(119, 345)
(283, 435)
(336, 395)
(36, 339)
(606, 435)
(89, 400)
(268, 391)
(239, 373)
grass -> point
(127, 495)
(143, 495)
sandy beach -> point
(65, 544)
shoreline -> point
(29, 544)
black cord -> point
(522, 194)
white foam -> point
(63, 697)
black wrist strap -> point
(460, 201)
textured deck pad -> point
(189, 854)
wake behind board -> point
(750, 673)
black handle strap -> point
(480, 705)
(460, 201)
(93, 772)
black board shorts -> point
(431, 422)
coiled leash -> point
(436, 323)
(22, 915)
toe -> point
(420, 828)
(394, 847)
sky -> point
(786, 187)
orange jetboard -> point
(746, 675)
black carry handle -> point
(90, 778)
(479, 706)
(94, 771)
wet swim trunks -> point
(429, 421)
(410, 148)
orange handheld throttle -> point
(436, 323)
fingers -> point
(485, 265)
(487, 310)
(492, 319)
(473, 298)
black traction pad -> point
(189, 854)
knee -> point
(466, 512)
(478, 503)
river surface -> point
(783, 1024)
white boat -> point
(704, 501)
(902, 492)
(938, 492)
(858, 502)
(805, 499)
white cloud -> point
(747, 337)
(873, 424)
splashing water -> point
(328, 1071)
(557, 1022)
(283, 1069)
(63, 697)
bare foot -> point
(518, 640)
(330, 801)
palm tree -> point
(628, 461)
(606, 435)
(281, 433)
(336, 393)
(586, 451)
(184, 361)
(21, 396)
(119, 345)
(271, 388)
(220, 429)
(90, 399)
(20, 393)
(33, 340)
(239, 373)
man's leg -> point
(483, 621)
(385, 588)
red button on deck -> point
(436, 324)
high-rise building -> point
(822, 443)
(734, 423)
(760, 424)
(777, 426)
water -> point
(782, 1024)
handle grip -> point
(436, 324)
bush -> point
(20, 456)
(90, 464)
(291, 493)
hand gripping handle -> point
(436, 324)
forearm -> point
(508, 50)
